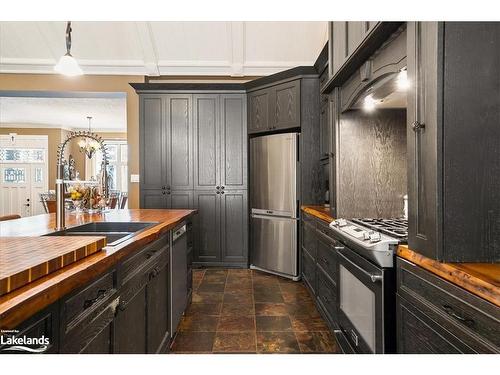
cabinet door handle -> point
(89, 302)
(416, 126)
(449, 310)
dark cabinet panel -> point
(423, 224)
(180, 199)
(158, 317)
(285, 105)
(452, 140)
(324, 127)
(234, 225)
(93, 334)
(233, 142)
(309, 271)
(206, 140)
(207, 226)
(418, 336)
(179, 141)
(153, 198)
(131, 319)
(152, 141)
(258, 111)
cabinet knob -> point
(163, 187)
(222, 187)
(217, 187)
(217, 192)
(222, 192)
(416, 126)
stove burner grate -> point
(397, 228)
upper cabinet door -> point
(233, 142)
(422, 137)
(285, 105)
(206, 136)
(179, 130)
(152, 141)
(258, 111)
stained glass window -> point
(38, 175)
(14, 175)
(23, 155)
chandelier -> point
(89, 146)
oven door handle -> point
(373, 277)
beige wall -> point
(95, 83)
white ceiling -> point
(163, 48)
(108, 114)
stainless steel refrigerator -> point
(274, 199)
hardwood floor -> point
(246, 311)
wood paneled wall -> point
(372, 174)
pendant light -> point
(89, 147)
(67, 64)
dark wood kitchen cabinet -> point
(345, 37)
(453, 140)
(319, 266)
(199, 150)
(258, 111)
(435, 316)
(125, 310)
(221, 227)
(166, 150)
(275, 107)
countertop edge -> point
(34, 297)
(318, 212)
(456, 276)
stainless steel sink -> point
(115, 232)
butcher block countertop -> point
(321, 212)
(480, 279)
(26, 259)
(20, 304)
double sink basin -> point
(115, 232)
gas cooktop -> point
(397, 228)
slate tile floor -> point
(246, 311)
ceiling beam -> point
(236, 41)
(54, 42)
(148, 48)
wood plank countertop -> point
(20, 304)
(481, 279)
(321, 212)
(26, 259)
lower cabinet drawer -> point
(309, 270)
(417, 334)
(94, 333)
(327, 257)
(88, 301)
(473, 318)
(309, 239)
(327, 295)
(130, 266)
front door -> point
(15, 189)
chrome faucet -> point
(60, 209)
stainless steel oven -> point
(365, 304)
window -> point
(117, 164)
(14, 175)
(22, 155)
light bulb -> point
(68, 66)
(369, 103)
(82, 143)
(402, 80)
